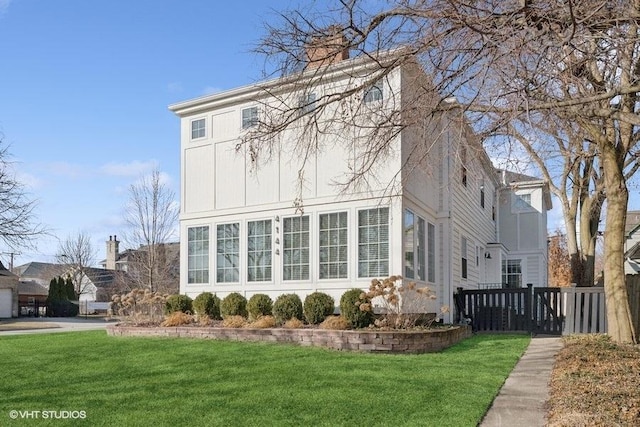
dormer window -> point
(374, 93)
(249, 117)
(198, 129)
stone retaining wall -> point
(359, 340)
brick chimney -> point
(328, 48)
(112, 252)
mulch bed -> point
(595, 383)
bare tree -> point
(18, 223)
(506, 62)
(151, 216)
(77, 254)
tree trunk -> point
(619, 320)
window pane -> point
(373, 242)
(409, 242)
(296, 248)
(333, 245)
(259, 251)
(198, 255)
(228, 250)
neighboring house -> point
(457, 224)
(8, 293)
(632, 243)
(96, 284)
(32, 298)
(131, 261)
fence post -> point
(528, 307)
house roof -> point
(632, 223)
(7, 277)
(40, 270)
(32, 288)
(520, 180)
(101, 277)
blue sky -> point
(84, 90)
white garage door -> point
(5, 303)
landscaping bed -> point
(374, 341)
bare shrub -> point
(293, 323)
(335, 323)
(178, 318)
(139, 306)
(236, 321)
(401, 306)
(263, 322)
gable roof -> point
(40, 270)
(32, 288)
(517, 180)
(632, 222)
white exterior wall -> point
(221, 186)
(523, 231)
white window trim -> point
(350, 240)
(240, 253)
(208, 257)
(281, 247)
(245, 251)
(357, 241)
(204, 119)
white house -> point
(437, 221)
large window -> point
(373, 242)
(259, 251)
(333, 246)
(198, 129)
(431, 253)
(198, 255)
(249, 117)
(295, 248)
(463, 256)
(409, 245)
(512, 273)
(228, 253)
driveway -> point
(30, 325)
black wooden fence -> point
(534, 310)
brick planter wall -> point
(360, 340)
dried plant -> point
(335, 323)
(400, 306)
(234, 322)
(139, 306)
(178, 318)
(263, 322)
(293, 324)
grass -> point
(156, 381)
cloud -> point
(30, 181)
(134, 168)
(70, 170)
(173, 87)
(4, 6)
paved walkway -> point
(522, 398)
(36, 325)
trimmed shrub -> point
(177, 318)
(207, 304)
(286, 307)
(335, 323)
(233, 304)
(317, 306)
(263, 322)
(350, 308)
(259, 305)
(181, 303)
(234, 321)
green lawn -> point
(154, 381)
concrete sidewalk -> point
(37, 325)
(522, 398)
